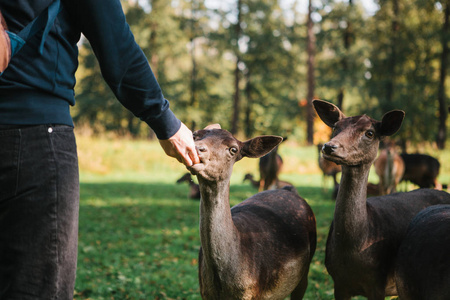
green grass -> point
(138, 236)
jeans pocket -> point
(9, 163)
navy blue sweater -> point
(39, 89)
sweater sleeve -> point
(124, 66)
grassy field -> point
(139, 236)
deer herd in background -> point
(387, 245)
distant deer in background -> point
(269, 168)
(277, 185)
(253, 182)
(328, 168)
(390, 168)
(262, 247)
(373, 189)
(194, 190)
(423, 264)
(421, 169)
(366, 233)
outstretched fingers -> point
(181, 146)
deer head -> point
(218, 150)
(355, 140)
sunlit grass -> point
(139, 236)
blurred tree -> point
(208, 69)
(244, 63)
(311, 45)
(237, 72)
(342, 52)
(442, 98)
(269, 69)
(404, 38)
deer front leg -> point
(341, 294)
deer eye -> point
(370, 134)
(233, 150)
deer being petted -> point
(365, 234)
(262, 247)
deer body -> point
(423, 266)
(421, 169)
(269, 169)
(365, 234)
(194, 190)
(262, 247)
(390, 168)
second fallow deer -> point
(262, 247)
(423, 266)
(390, 168)
(269, 169)
(365, 234)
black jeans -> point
(39, 202)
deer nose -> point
(329, 148)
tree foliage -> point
(370, 62)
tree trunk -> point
(193, 75)
(442, 129)
(393, 59)
(347, 42)
(248, 110)
(193, 31)
(311, 80)
(340, 98)
(236, 98)
(154, 59)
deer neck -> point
(219, 237)
(350, 216)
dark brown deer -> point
(194, 190)
(251, 179)
(262, 247)
(269, 168)
(365, 233)
(390, 168)
(421, 169)
(278, 184)
(423, 264)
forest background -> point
(255, 65)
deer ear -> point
(213, 126)
(328, 112)
(260, 146)
(391, 122)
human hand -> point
(181, 146)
